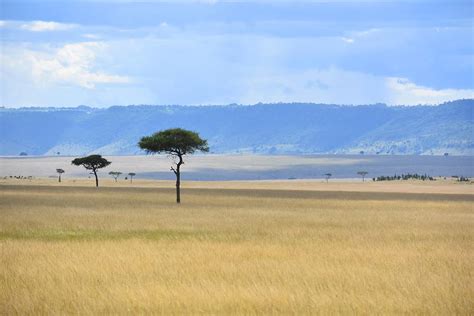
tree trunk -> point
(59, 178)
(178, 179)
(96, 179)
(178, 184)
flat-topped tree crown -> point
(131, 175)
(363, 174)
(115, 174)
(60, 172)
(92, 162)
(176, 142)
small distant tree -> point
(93, 163)
(327, 176)
(131, 175)
(60, 172)
(115, 174)
(177, 143)
(362, 174)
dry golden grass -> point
(114, 250)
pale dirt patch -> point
(45, 166)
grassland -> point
(117, 250)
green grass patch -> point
(101, 235)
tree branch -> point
(180, 156)
(174, 170)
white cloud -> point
(367, 32)
(42, 26)
(348, 40)
(339, 86)
(352, 37)
(91, 36)
(72, 64)
(332, 85)
(403, 91)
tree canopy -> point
(115, 174)
(175, 141)
(363, 174)
(92, 162)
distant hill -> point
(263, 128)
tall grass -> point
(88, 251)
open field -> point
(235, 248)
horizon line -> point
(82, 106)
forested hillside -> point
(263, 128)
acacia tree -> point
(59, 171)
(131, 175)
(177, 143)
(115, 174)
(362, 174)
(93, 163)
(327, 176)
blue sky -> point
(103, 53)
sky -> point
(104, 53)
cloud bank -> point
(153, 52)
(43, 26)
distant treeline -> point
(461, 178)
(407, 176)
(423, 177)
(19, 177)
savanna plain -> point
(243, 249)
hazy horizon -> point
(58, 107)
